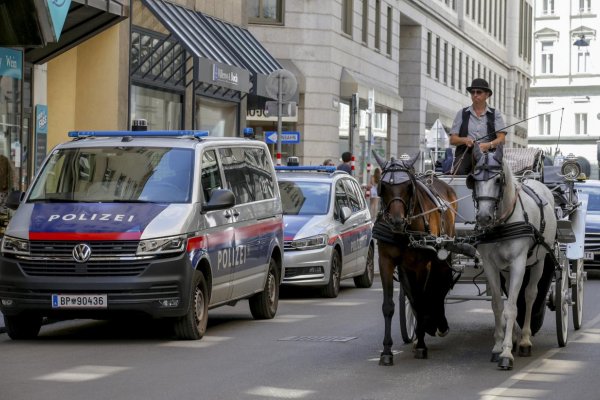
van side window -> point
(353, 196)
(341, 199)
(248, 174)
(210, 177)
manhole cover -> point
(318, 338)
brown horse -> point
(415, 231)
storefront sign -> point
(41, 134)
(11, 63)
(228, 76)
(259, 114)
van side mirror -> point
(219, 199)
(14, 199)
(345, 213)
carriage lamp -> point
(570, 168)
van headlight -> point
(11, 245)
(152, 247)
(310, 243)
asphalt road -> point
(314, 349)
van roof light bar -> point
(315, 168)
(84, 134)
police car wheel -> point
(23, 326)
(192, 326)
(366, 279)
(263, 305)
(332, 289)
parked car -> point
(327, 229)
(592, 223)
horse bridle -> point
(490, 172)
(410, 207)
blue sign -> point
(58, 13)
(287, 137)
(41, 118)
(41, 134)
(11, 63)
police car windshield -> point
(305, 198)
(126, 174)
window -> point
(347, 11)
(581, 123)
(453, 67)
(247, 173)
(389, 31)
(583, 60)
(437, 57)
(220, 118)
(547, 64)
(446, 62)
(378, 24)
(365, 21)
(210, 177)
(429, 39)
(460, 70)
(585, 6)
(548, 7)
(162, 110)
(265, 11)
(467, 7)
(544, 124)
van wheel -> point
(192, 326)
(23, 326)
(263, 305)
(335, 270)
(366, 279)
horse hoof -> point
(524, 351)
(442, 334)
(421, 354)
(386, 359)
(495, 357)
(505, 364)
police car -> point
(162, 223)
(327, 229)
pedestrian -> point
(346, 162)
(476, 125)
(328, 162)
(374, 194)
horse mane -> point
(510, 186)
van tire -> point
(366, 279)
(332, 289)
(23, 326)
(192, 326)
(263, 305)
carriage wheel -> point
(408, 321)
(561, 301)
(577, 293)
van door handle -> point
(236, 213)
(227, 214)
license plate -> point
(588, 255)
(79, 301)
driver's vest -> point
(466, 165)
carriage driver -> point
(476, 124)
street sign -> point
(287, 137)
(288, 109)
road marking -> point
(206, 341)
(82, 373)
(286, 318)
(553, 369)
(279, 393)
(481, 311)
(342, 303)
(394, 352)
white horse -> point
(518, 225)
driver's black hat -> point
(479, 83)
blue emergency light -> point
(317, 168)
(84, 134)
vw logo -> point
(82, 252)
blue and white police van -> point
(162, 223)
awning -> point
(213, 40)
(353, 82)
(85, 19)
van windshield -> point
(125, 174)
(305, 198)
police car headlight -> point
(11, 245)
(173, 244)
(310, 243)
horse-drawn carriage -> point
(527, 224)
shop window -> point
(265, 11)
(219, 118)
(162, 109)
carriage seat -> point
(560, 189)
(522, 160)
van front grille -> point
(99, 249)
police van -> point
(161, 223)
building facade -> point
(565, 92)
(415, 58)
